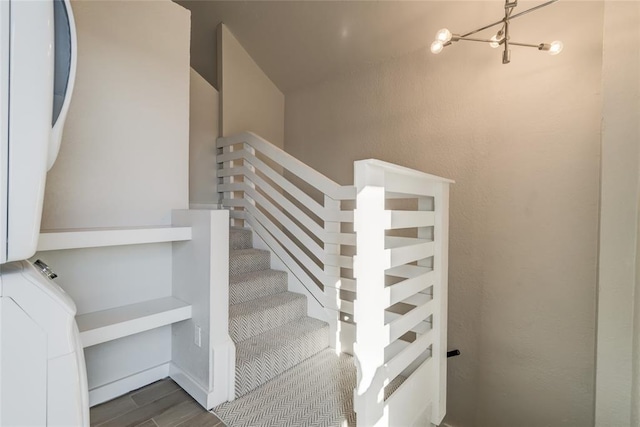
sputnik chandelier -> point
(445, 38)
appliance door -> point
(66, 49)
(38, 29)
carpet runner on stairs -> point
(286, 374)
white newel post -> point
(331, 271)
(440, 293)
(370, 263)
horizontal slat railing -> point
(260, 183)
(396, 293)
(409, 246)
(290, 163)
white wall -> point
(203, 131)
(522, 142)
(249, 100)
(123, 162)
(618, 216)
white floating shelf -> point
(107, 325)
(100, 237)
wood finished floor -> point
(161, 404)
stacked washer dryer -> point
(42, 371)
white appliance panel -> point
(30, 108)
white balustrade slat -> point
(231, 156)
(418, 299)
(407, 254)
(342, 305)
(404, 358)
(339, 261)
(233, 171)
(393, 349)
(407, 271)
(394, 242)
(347, 239)
(410, 219)
(420, 328)
(406, 322)
(402, 290)
(346, 284)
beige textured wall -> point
(249, 100)
(124, 155)
(203, 131)
(617, 363)
(522, 142)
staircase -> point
(373, 256)
(286, 374)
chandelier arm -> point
(524, 12)
(540, 6)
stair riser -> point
(257, 322)
(245, 263)
(240, 239)
(255, 372)
(259, 286)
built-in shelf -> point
(100, 237)
(106, 325)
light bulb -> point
(436, 47)
(495, 41)
(555, 48)
(443, 35)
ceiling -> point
(298, 43)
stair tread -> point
(240, 238)
(257, 316)
(264, 303)
(277, 338)
(245, 260)
(247, 251)
(256, 284)
(265, 356)
(251, 275)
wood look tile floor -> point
(161, 404)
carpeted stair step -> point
(247, 260)
(240, 238)
(265, 356)
(315, 393)
(256, 284)
(254, 317)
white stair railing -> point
(394, 289)
(401, 222)
(296, 211)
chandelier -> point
(445, 38)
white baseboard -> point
(124, 385)
(207, 399)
